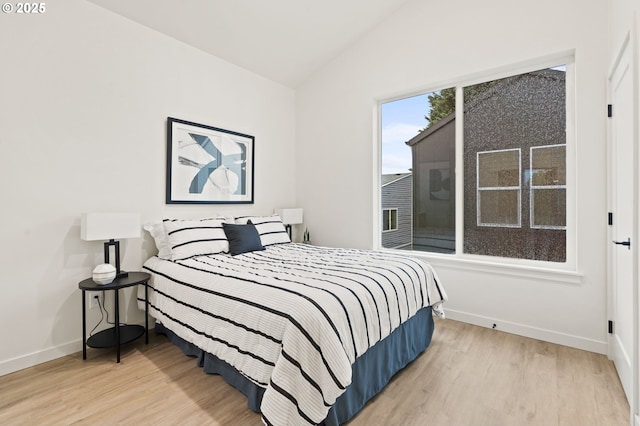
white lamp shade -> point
(290, 216)
(107, 226)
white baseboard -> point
(532, 332)
(16, 364)
(35, 358)
(25, 361)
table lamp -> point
(110, 226)
(290, 217)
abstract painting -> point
(208, 165)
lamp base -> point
(116, 245)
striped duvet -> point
(292, 318)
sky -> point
(401, 120)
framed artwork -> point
(207, 165)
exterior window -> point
(512, 168)
(498, 197)
(389, 219)
(548, 185)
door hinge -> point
(610, 220)
(610, 327)
(609, 110)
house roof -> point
(393, 177)
(431, 130)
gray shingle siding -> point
(397, 193)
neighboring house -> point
(514, 172)
(396, 210)
(433, 153)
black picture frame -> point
(208, 165)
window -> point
(389, 219)
(498, 197)
(507, 138)
(548, 177)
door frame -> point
(630, 42)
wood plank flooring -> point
(468, 376)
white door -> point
(622, 232)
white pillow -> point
(156, 229)
(270, 228)
(188, 238)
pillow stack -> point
(178, 239)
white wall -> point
(84, 97)
(426, 45)
(624, 17)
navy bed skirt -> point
(371, 371)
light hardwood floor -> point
(468, 376)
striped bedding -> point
(292, 318)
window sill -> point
(515, 269)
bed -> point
(309, 334)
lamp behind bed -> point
(290, 217)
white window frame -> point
(391, 212)
(499, 188)
(532, 188)
(562, 272)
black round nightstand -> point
(118, 334)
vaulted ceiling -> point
(283, 40)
